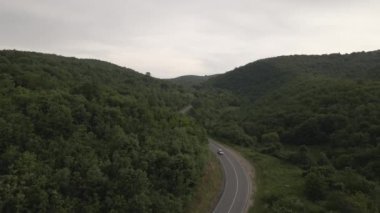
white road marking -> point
(230, 153)
(237, 185)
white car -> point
(220, 152)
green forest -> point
(318, 113)
(81, 135)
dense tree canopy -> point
(89, 136)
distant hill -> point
(261, 77)
(190, 80)
(81, 135)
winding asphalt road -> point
(236, 194)
(237, 183)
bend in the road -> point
(234, 170)
(236, 193)
(237, 185)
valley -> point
(84, 135)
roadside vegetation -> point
(207, 192)
(279, 188)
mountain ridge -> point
(262, 76)
(191, 80)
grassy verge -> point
(207, 192)
(274, 178)
(278, 184)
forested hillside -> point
(190, 80)
(320, 113)
(88, 136)
(264, 76)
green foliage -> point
(288, 205)
(269, 138)
(89, 136)
(357, 203)
(301, 157)
(315, 186)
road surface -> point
(236, 194)
(238, 188)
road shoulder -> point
(207, 192)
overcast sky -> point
(170, 38)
